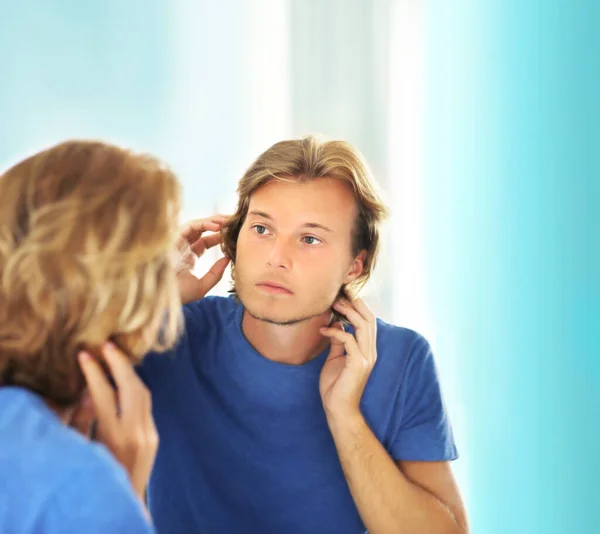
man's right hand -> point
(123, 413)
(191, 246)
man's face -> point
(298, 237)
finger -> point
(337, 326)
(191, 231)
(196, 227)
(362, 327)
(205, 243)
(363, 308)
(336, 347)
(344, 307)
(368, 314)
(212, 277)
(104, 398)
(199, 225)
(353, 354)
(133, 396)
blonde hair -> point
(87, 238)
(304, 160)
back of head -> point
(87, 234)
(304, 160)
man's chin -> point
(281, 317)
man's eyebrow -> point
(261, 214)
(317, 225)
(264, 215)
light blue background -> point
(514, 242)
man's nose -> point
(280, 254)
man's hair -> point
(302, 161)
(87, 239)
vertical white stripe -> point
(407, 152)
(406, 163)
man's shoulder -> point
(30, 430)
(399, 339)
(94, 460)
(57, 469)
(58, 449)
(98, 487)
(400, 350)
(95, 495)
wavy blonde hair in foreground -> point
(87, 235)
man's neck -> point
(65, 414)
(292, 344)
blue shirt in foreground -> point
(244, 442)
(52, 480)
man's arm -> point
(404, 498)
(396, 497)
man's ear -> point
(357, 267)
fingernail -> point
(84, 356)
(110, 345)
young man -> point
(288, 407)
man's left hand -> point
(351, 359)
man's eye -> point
(311, 240)
(260, 229)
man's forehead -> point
(322, 203)
(318, 196)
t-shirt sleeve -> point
(424, 432)
(95, 500)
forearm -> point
(387, 501)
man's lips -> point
(273, 287)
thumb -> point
(212, 277)
(336, 347)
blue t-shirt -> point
(244, 442)
(53, 480)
